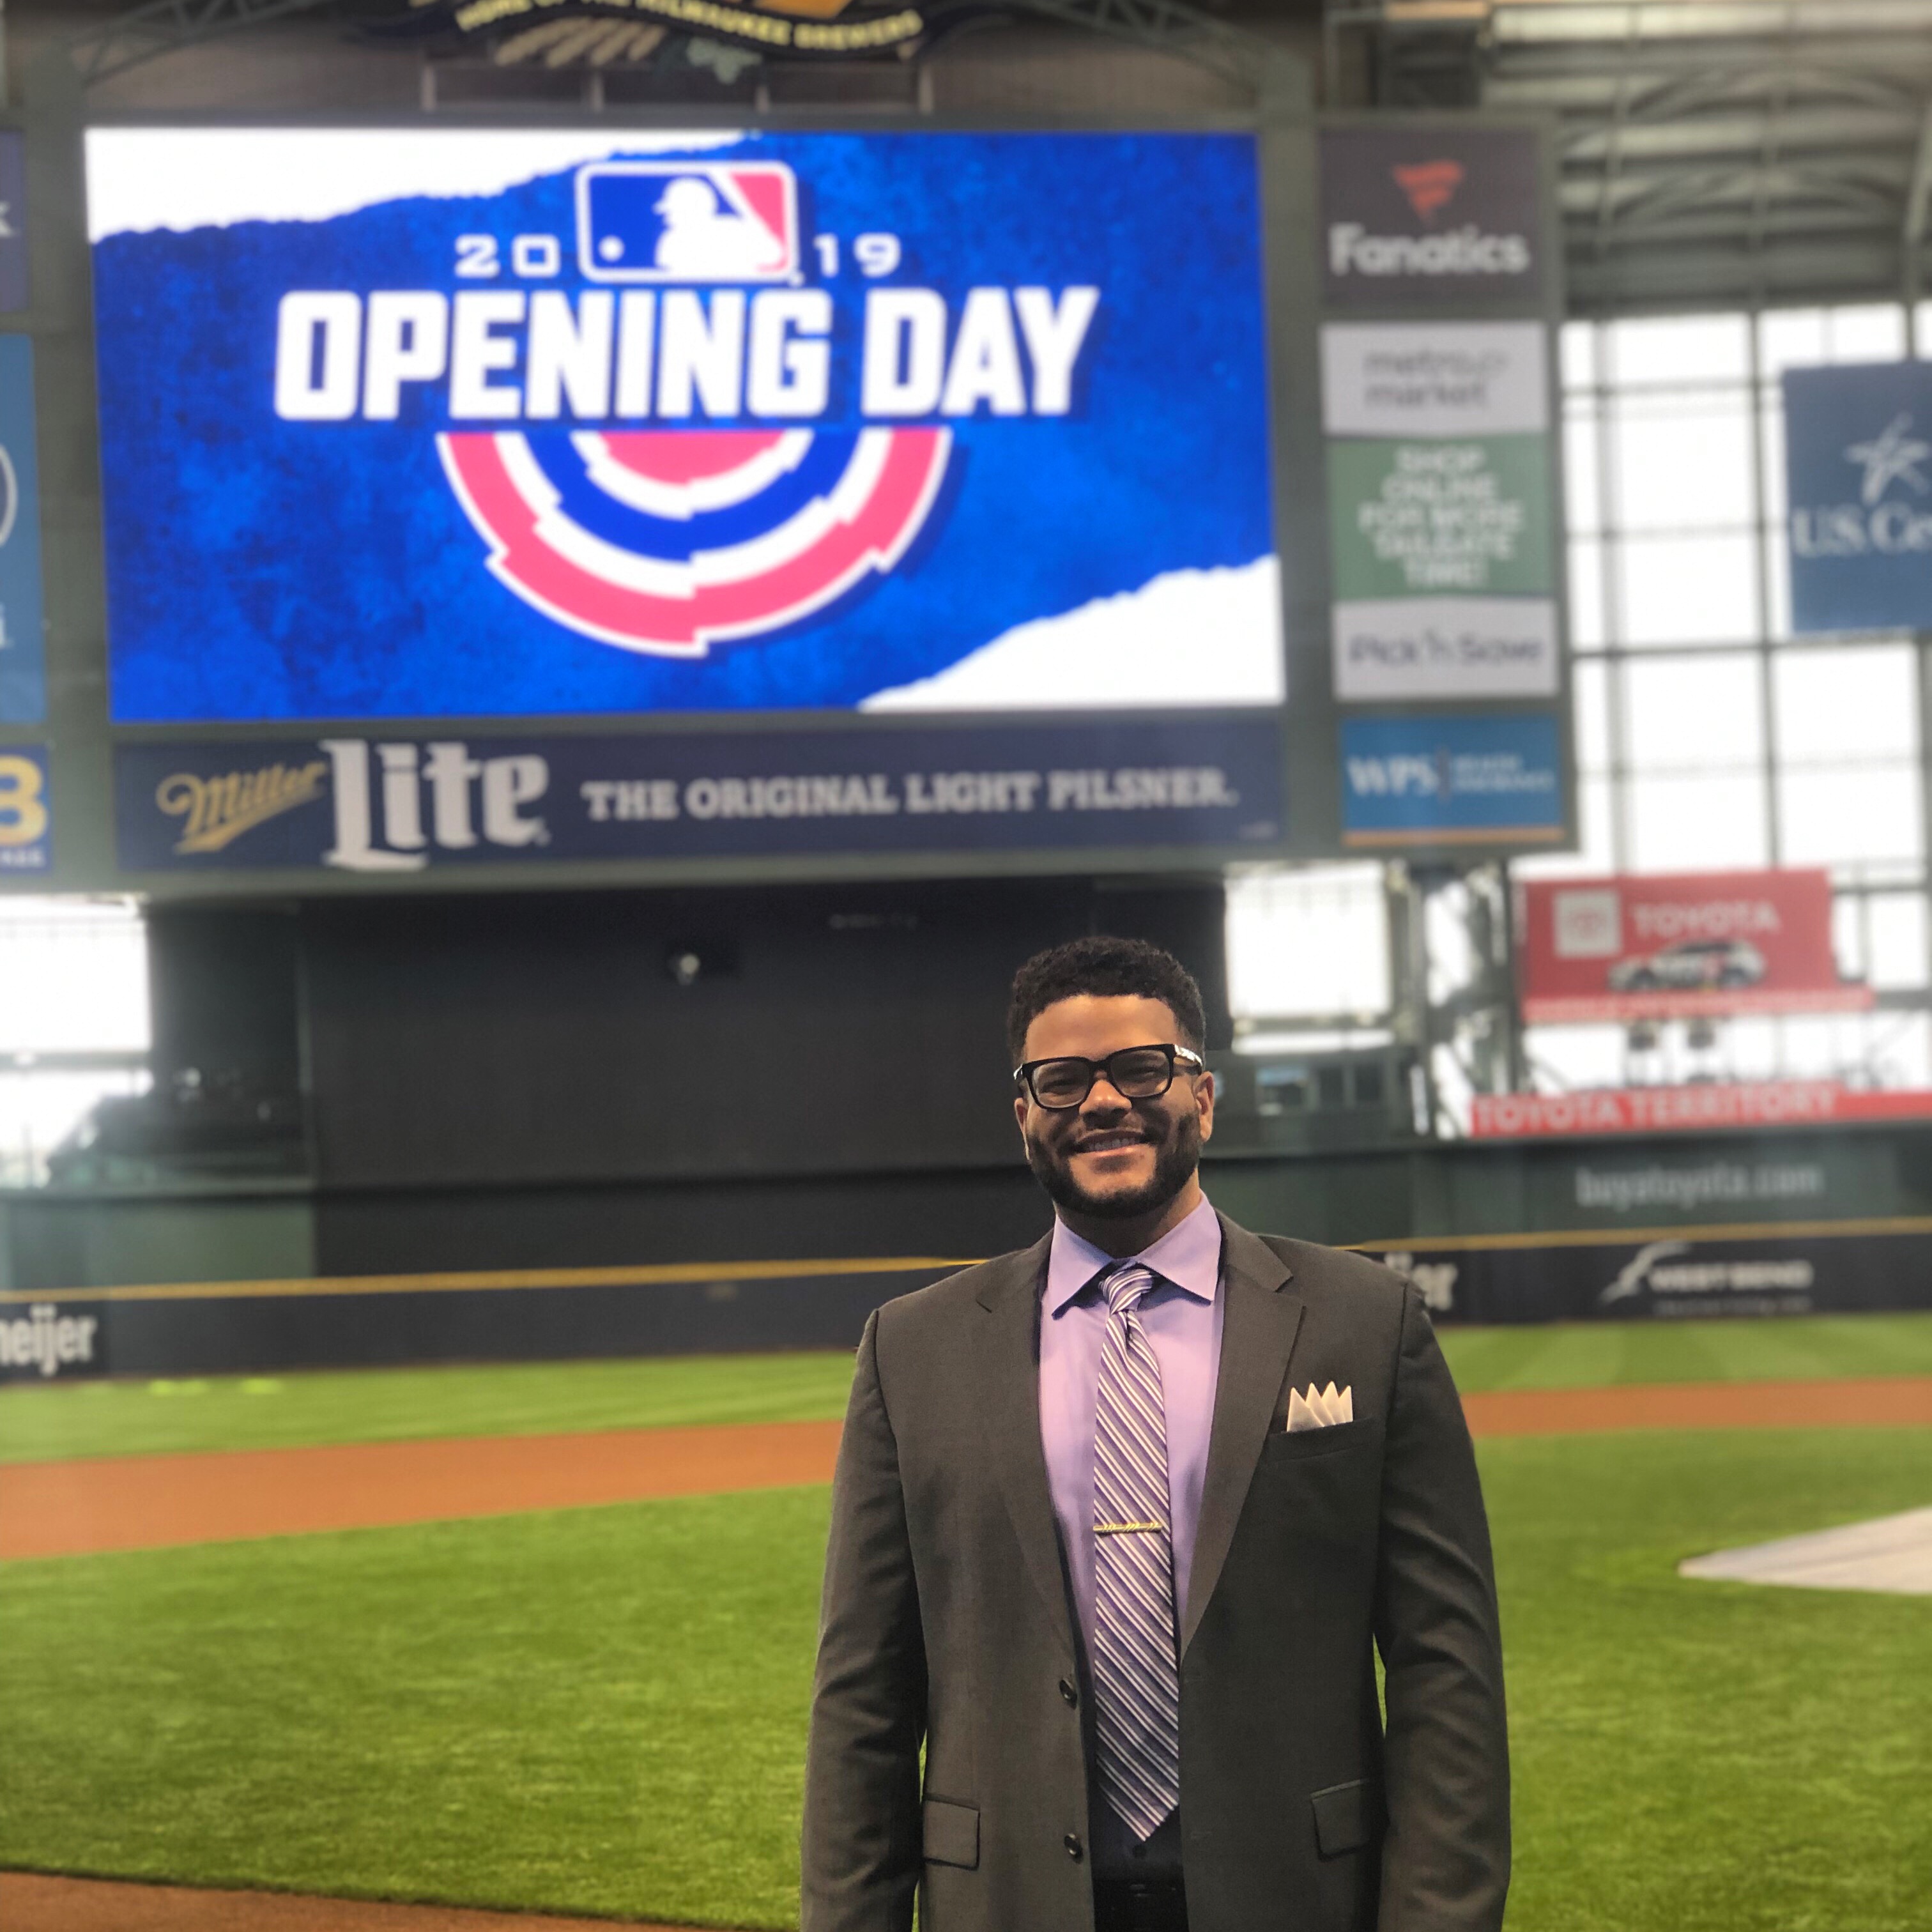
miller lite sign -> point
(434, 423)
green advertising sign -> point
(1467, 516)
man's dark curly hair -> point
(1109, 967)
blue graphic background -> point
(1826, 412)
(264, 569)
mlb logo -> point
(687, 221)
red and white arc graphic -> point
(758, 577)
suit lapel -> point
(1257, 1331)
(1008, 1371)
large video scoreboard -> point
(608, 502)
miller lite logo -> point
(648, 465)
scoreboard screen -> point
(407, 424)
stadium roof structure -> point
(1712, 152)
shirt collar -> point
(1189, 1256)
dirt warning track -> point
(146, 1502)
(30, 1902)
(140, 1502)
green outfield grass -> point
(1590, 1354)
(128, 1418)
(603, 1710)
(125, 1418)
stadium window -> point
(1694, 714)
(1682, 460)
(1306, 944)
(1693, 588)
(73, 1023)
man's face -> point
(1112, 1156)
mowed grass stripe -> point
(56, 1422)
(52, 1422)
(604, 1711)
(1595, 1355)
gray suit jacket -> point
(947, 1621)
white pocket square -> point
(1320, 1408)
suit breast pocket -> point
(1338, 1438)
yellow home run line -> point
(676, 1274)
(1616, 1238)
(666, 1275)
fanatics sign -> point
(1689, 944)
(1412, 215)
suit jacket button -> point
(1071, 1696)
(1073, 1845)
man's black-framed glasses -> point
(1135, 1073)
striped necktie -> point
(1136, 1675)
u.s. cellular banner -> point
(430, 423)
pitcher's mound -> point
(1892, 1553)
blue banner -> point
(514, 423)
(12, 221)
(23, 684)
(1858, 443)
(26, 813)
(399, 805)
(1451, 779)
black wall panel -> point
(824, 1030)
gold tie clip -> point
(1124, 1528)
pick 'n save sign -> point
(1680, 945)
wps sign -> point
(427, 423)
(1694, 943)
(1453, 779)
(1859, 479)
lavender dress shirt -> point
(1182, 1316)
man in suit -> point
(1119, 1524)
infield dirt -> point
(137, 1502)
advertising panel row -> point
(1443, 536)
(917, 490)
(1697, 1276)
(1681, 946)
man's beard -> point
(1173, 1163)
